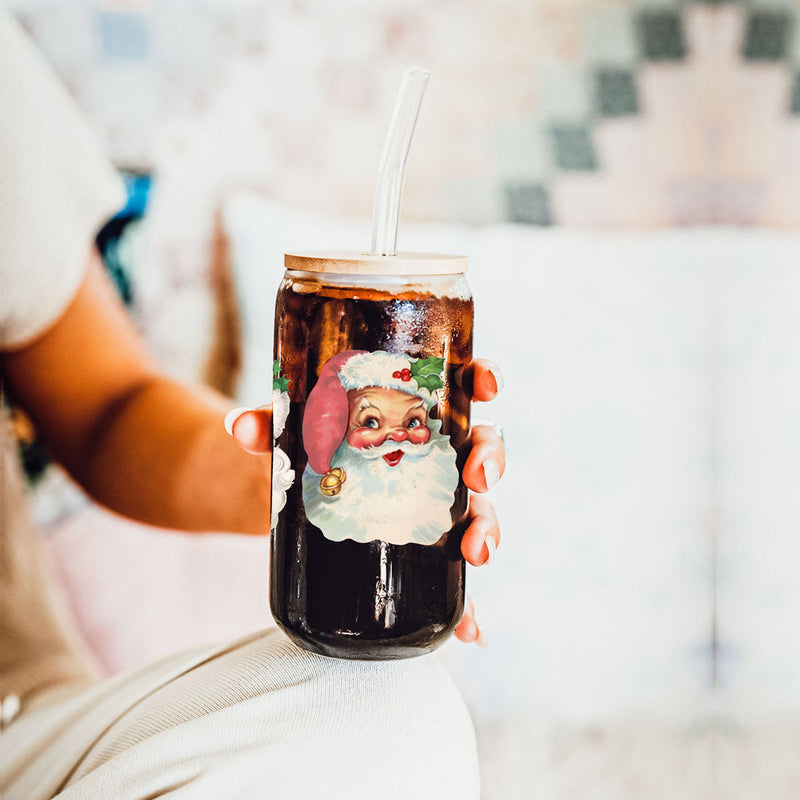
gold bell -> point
(330, 484)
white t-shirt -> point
(56, 191)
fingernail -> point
(9, 708)
(491, 549)
(497, 375)
(491, 473)
(232, 416)
(481, 641)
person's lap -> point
(258, 717)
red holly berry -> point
(396, 374)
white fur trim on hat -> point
(376, 369)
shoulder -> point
(57, 190)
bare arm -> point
(140, 443)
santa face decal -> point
(381, 415)
(378, 466)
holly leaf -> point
(427, 372)
(278, 382)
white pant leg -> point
(44, 745)
(267, 719)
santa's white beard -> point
(409, 502)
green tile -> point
(564, 91)
(659, 5)
(661, 35)
(771, 5)
(521, 149)
(609, 37)
(474, 201)
(528, 203)
(615, 92)
(794, 104)
(572, 146)
(768, 35)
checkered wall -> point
(632, 113)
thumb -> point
(251, 428)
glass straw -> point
(392, 167)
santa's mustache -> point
(391, 446)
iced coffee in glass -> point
(369, 352)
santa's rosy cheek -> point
(363, 437)
(419, 435)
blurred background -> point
(622, 175)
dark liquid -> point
(373, 600)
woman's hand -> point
(485, 465)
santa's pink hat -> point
(326, 415)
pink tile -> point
(623, 147)
(752, 113)
(710, 202)
(600, 201)
(714, 33)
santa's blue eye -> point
(371, 422)
(415, 423)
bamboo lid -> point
(355, 263)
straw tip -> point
(418, 73)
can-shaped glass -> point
(371, 421)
